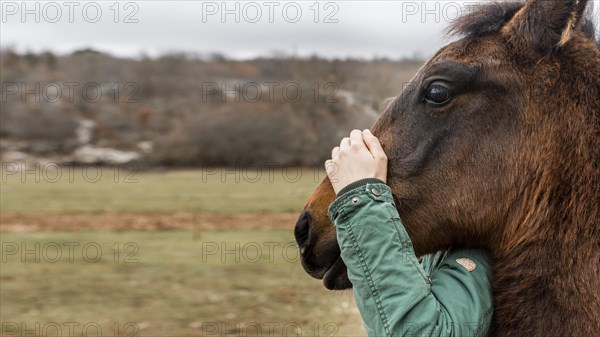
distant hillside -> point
(183, 111)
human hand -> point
(358, 156)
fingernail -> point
(367, 131)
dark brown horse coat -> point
(510, 163)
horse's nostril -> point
(302, 231)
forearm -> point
(393, 292)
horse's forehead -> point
(483, 51)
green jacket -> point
(397, 294)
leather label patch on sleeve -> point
(467, 263)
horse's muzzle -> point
(320, 260)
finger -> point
(373, 144)
(335, 153)
(345, 144)
(328, 164)
(331, 169)
(356, 139)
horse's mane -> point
(489, 18)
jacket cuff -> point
(358, 183)
(347, 203)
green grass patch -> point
(108, 190)
(167, 284)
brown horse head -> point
(495, 144)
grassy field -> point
(168, 284)
(109, 190)
(217, 282)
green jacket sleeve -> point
(447, 295)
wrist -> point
(358, 183)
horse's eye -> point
(437, 94)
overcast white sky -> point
(343, 28)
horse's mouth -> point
(336, 277)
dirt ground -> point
(48, 222)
